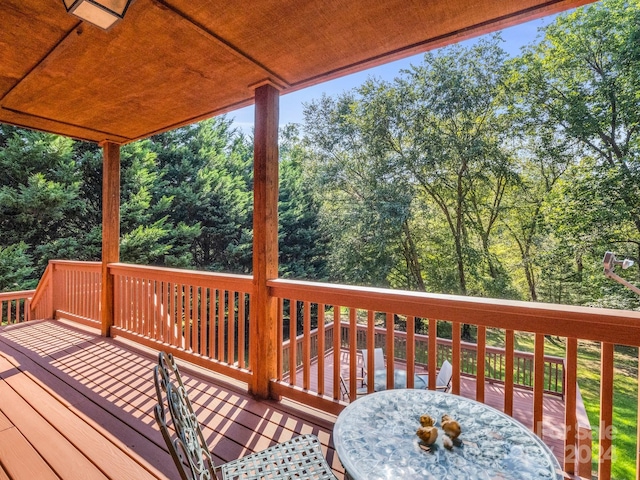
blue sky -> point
(291, 105)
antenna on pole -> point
(610, 261)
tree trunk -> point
(411, 256)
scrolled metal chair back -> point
(189, 449)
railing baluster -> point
(231, 327)
(432, 352)
(352, 354)
(538, 383)
(455, 357)
(180, 317)
(572, 454)
(242, 332)
(171, 315)
(188, 342)
(222, 316)
(337, 350)
(201, 295)
(306, 345)
(411, 352)
(293, 332)
(321, 348)
(148, 308)
(606, 411)
(508, 372)
(480, 362)
(371, 343)
(390, 342)
(213, 303)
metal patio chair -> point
(298, 458)
(443, 380)
(378, 363)
(344, 389)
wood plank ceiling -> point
(173, 62)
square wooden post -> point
(263, 335)
(110, 228)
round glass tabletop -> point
(375, 438)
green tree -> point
(16, 268)
(302, 245)
(40, 202)
(204, 170)
(453, 144)
(581, 80)
(363, 203)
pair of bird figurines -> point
(428, 433)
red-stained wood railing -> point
(199, 316)
(14, 307)
(203, 317)
(76, 288)
(372, 305)
(320, 342)
(495, 357)
(399, 349)
(41, 305)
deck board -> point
(20, 460)
(96, 395)
(94, 398)
(54, 449)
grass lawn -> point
(625, 403)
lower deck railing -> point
(494, 363)
(205, 318)
(14, 307)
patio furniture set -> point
(374, 437)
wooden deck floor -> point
(74, 405)
(553, 406)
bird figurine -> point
(427, 421)
(450, 427)
(428, 434)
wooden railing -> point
(41, 306)
(76, 291)
(285, 360)
(69, 290)
(495, 358)
(14, 307)
(379, 306)
(201, 317)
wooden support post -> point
(263, 335)
(110, 228)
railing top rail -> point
(80, 263)
(598, 324)
(242, 283)
(16, 295)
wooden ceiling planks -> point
(173, 62)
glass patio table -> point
(375, 438)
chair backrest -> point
(378, 359)
(344, 391)
(189, 449)
(444, 375)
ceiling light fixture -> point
(102, 13)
